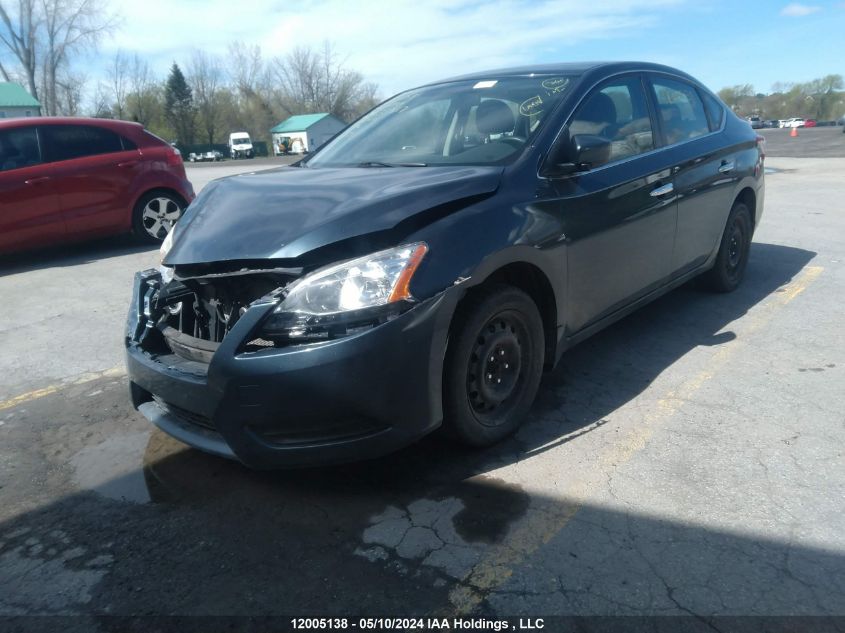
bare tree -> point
(119, 83)
(43, 35)
(20, 35)
(310, 81)
(140, 101)
(256, 104)
(69, 91)
(100, 106)
(70, 26)
(205, 77)
(246, 67)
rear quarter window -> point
(715, 111)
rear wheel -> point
(729, 269)
(155, 214)
(493, 366)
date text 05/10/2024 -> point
(421, 624)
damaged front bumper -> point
(346, 399)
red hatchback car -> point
(64, 179)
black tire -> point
(155, 214)
(731, 261)
(500, 322)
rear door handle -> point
(726, 166)
(128, 163)
(662, 190)
(36, 181)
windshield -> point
(240, 140)
(459, 123)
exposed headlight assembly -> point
(346, 297)
(164, 249)
(166, 244)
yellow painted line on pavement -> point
(548, 518)
(29, 396)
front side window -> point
(472, 122)
(65, 142)
(618, 112)
(682, 114)
(19, 148)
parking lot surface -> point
(687, 460)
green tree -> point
(179, 108)
(733, 95)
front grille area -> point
(208, 308)
(190, 317)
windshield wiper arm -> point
(376, 163)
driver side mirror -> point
(581, 153)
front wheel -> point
(155, 214)
(493, 365)
(729, 269)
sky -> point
(403, 43)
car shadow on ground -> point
(167, 529)
(72, 254)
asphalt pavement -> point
(686, 461)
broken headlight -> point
(346, 297)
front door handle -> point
(37, 181)
(662, 190)
(727, 166)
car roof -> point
(67, 120)
(570, 68)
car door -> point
(705, 168)
(29, 207)
(618, 218)
(94, 169)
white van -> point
(240, 145)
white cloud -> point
(397, 44)
(796, 9)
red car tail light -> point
(174, 157)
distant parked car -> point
(64, 179)
(794, 122)
(810, 123)
(211, 156)
(771, 123)
(756, 122)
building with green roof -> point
(17, 102)
(304, 132)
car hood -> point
(284, 213)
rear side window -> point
(715, 111)
(682, 114)
(618, 112)
(19, 148)
(64, 142)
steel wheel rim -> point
(736, 249)
(495, 368)
(159, 215)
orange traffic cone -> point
(794, 132)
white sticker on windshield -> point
(488, 83)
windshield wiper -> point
(376, 163)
